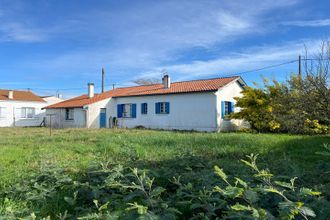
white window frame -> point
(162, 108)
(2, 112)
(69, 114)
(24, 112)
(227, 110)
(127, 111)
(145, 108)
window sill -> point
(27, 118)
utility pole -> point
(102, 80)
(50, 125)
(299, 67)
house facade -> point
(22, 108)
(200, 105)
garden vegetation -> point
(129, 174)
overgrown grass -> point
(191, 155)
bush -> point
(117, 192)
(301, 104)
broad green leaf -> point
(104, 206)
(239, 207)
(307, 191)
(243, 183)
(307, 211)
(220, 173)
(264, 173)
(96, 202)
(272, 190)
(284, 184)
(233, 192)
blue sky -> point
(64, 44)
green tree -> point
(299, 105)
(257, 107)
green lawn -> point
(192, 155)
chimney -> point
(166, 81)
(90, 90)
(10, 94)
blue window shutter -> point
(119, 111)
(142, 108)
(133, 109)
(232, 107)
(229, 107)
(157, 107)
(222, 109)
(167, 107)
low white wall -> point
(59, 121)
(193, 111)
(11, 113)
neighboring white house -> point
(22, 108)
(190, 105)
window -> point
(162, 108)
(27, 112)
(69, 114)
(226, 108)
(144, 108)
(126, 111)
(2, 112)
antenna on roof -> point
(164, 72)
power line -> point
(239, 73)
(263, 68)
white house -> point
(22, 108)
(190, 105)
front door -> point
(103, 118)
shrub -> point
(112, 191)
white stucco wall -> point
(193, 111)
(228, 93)
(11, 113)
(59, 120)
(93, 113)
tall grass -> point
(191, 155)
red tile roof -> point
(20, 96)
(206, 85)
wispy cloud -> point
(251, 58)
(20, 33)
(308, 23)
(135, 39)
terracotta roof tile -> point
(205, 85)
(20, 96)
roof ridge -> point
(17, 90)
(192, 80)
(151, 89)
